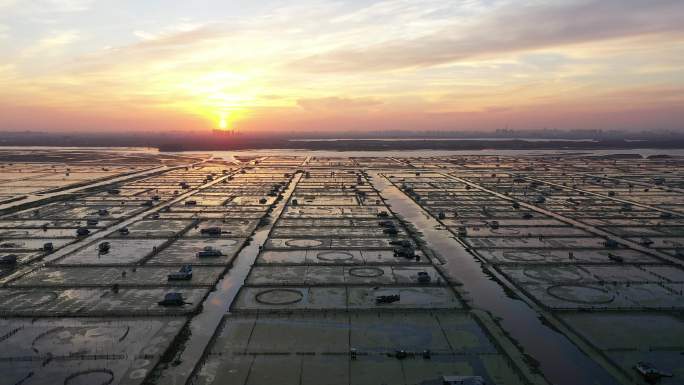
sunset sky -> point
(146, 65)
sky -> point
(340, 66)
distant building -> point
(221, 132)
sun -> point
(223, 123)
(227, 120)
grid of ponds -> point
(340, 288)
(599, 256)
(342, 293)
(84, 277)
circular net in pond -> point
(582, 294)
(92, 376)
(366, 272)
(224, 243)
(303, 242)
(77, 335)
(554, 274)
(470, 223)
(525, 256)
(505, 231)
(26, 300)
(279, 297)
(334, 256)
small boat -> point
(172, 299)
(387, 298)
(184, 274)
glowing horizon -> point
(83, 65)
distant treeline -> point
(199, 142)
